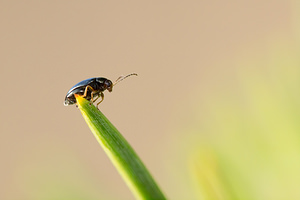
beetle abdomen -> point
(70, 97)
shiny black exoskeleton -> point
(91, 89)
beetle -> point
(92, 88)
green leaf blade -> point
(129, 165)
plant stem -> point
(129, 165)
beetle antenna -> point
(121, 78)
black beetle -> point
(90, 88)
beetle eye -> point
(109, 85)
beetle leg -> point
(86, 90)
(96, 99)
(92, 97)
(102, 98)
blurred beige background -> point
(181, 51)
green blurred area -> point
(246, 141)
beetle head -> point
(109, 85)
